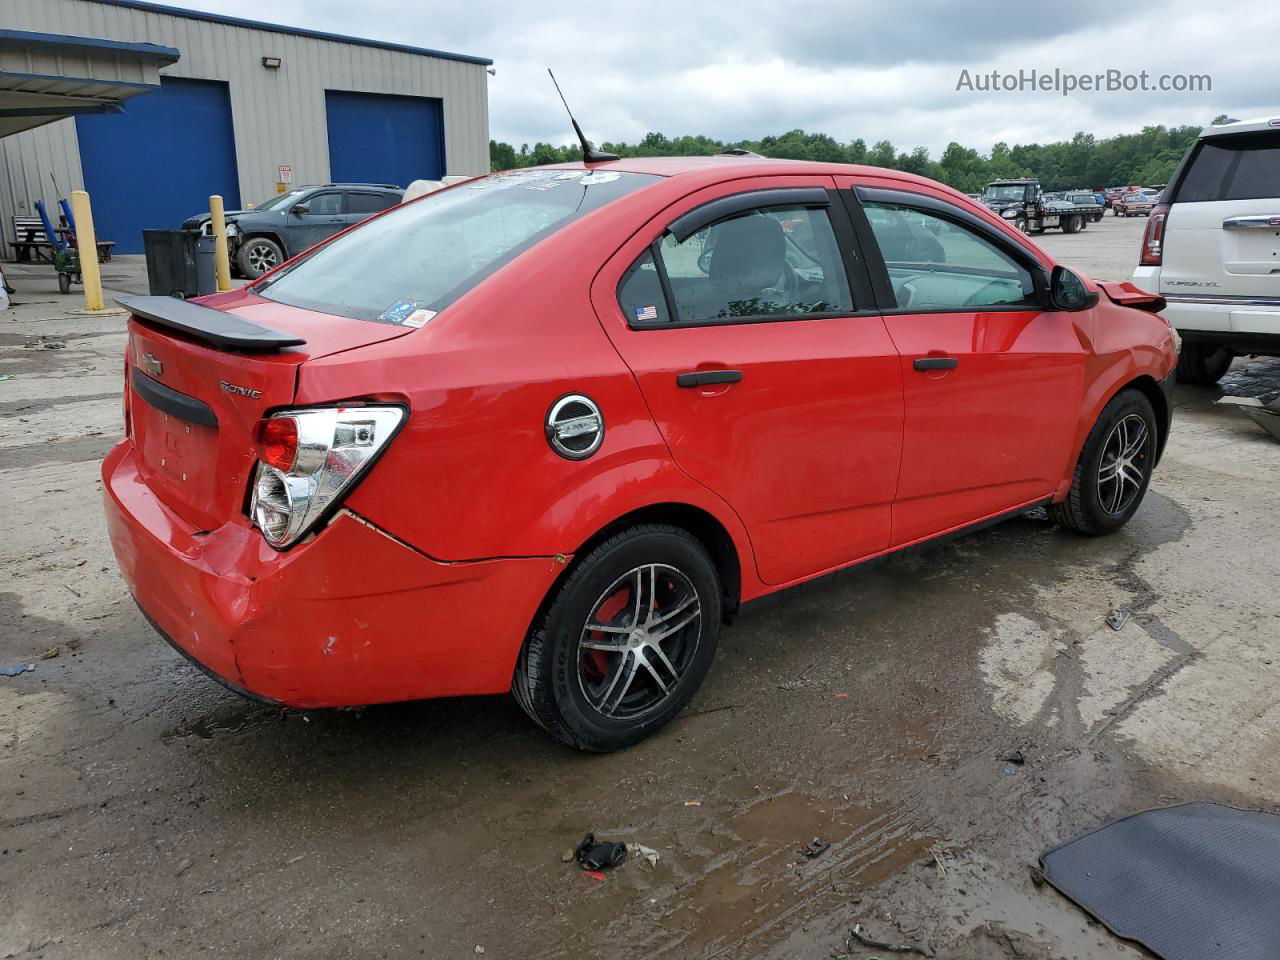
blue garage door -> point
(376, 138)
(158, 162)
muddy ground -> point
(146, 812)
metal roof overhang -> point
(45, 77)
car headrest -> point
(750, 253)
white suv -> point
(1212, 248)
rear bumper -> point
(351, 617)
(1222, 319)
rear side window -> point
(368, 202)
(769, 263)
(425, 254)
(1245, 167)
(934, 263)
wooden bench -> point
(32, 243)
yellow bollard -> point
(87, 245)
(221, 261)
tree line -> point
(1146, 158)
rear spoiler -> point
(1127, 295)
(217, 327)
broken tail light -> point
(308, 460)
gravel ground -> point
(145, 811)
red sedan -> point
(546, 431)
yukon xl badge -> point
(240, 391)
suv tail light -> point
(308, 460)
(1153, 237)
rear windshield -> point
(1244, 167)
(424, 255)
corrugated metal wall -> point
(279, 115)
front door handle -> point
(702, 378)
(935, 363)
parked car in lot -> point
(1085, 199)
(284, 225)
(1136, 204)
(1212, 248)
(548, 430)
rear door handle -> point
(935, 363)
(1264, 222)
(702, 378)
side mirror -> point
(1068, 292)
(299, 209)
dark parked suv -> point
(288, 223)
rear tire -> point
(1071, 224)
(1114, 468)
(569, 678)
(1203, 363)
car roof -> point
(1241, 126)
(716, 169)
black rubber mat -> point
(1197, 881)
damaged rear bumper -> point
(351, 617)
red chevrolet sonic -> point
(547, 430)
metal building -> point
(242, 107)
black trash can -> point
(179, 263)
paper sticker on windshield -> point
(600, 176)
(397, 312)
(419, 318)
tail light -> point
(308, 460)
(1153, 237)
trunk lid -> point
(195, 395)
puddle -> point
(750, 883)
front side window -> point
(772, 262)
(935, 263)
(325, 205)
(427, 253)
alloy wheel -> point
(1125, 461)
(639, 640)
(261, 258)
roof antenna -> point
(589, 153)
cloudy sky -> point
(875, 69)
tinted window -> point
(770, 262)
(640, 294)
(1245, 167)
(324, 205)
(429, 252)
(933, 262)
(368, 202)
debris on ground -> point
(641, 852)
(1265, 415)
(859, 934)
(13, 669)
(1117, 618)
(1016, 758)
(693, 803)
(815, 848)
(599, 855)
(50, 653)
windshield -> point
(278, 199)
(1011, 191)
(422, 256)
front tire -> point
(626, 641)
(1203, 363)
(257, 255)
(1114, 468)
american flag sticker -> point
(646, 313)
